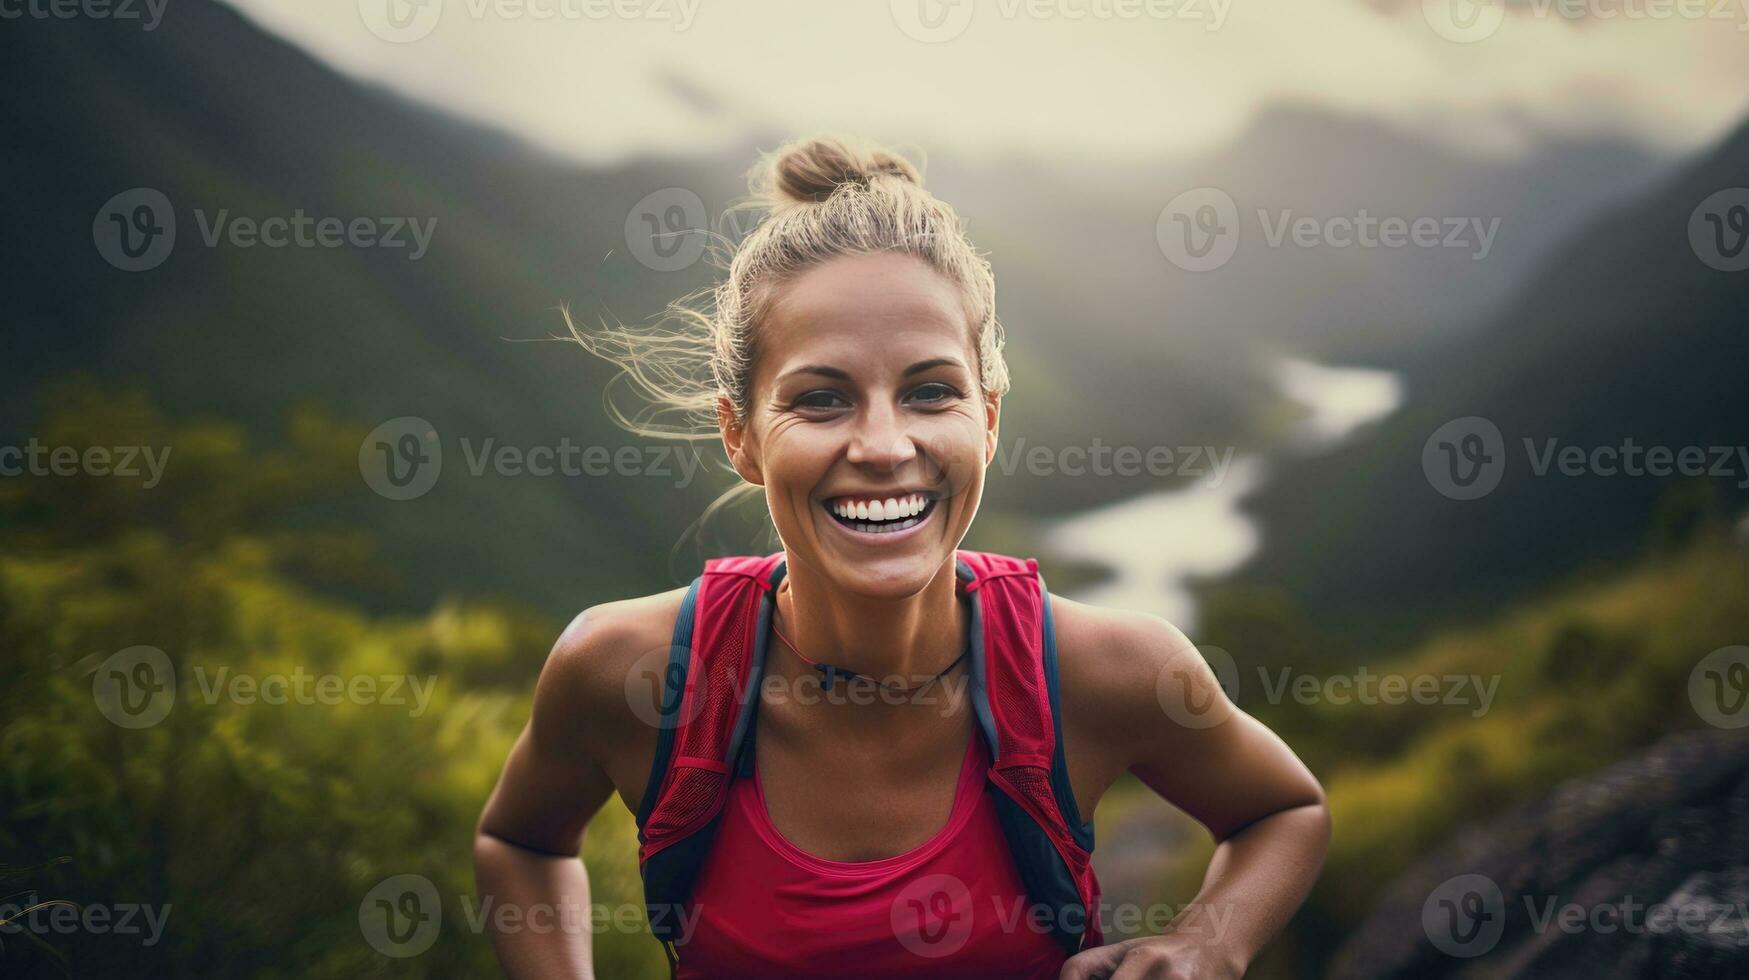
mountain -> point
(1296, 161)
(1624, 334)
(231, 124)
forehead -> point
(854, 300)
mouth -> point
(873, 517)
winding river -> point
(1157, 544)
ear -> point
(992, 425)
(736, 444)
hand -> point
(1167, 957)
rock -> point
(1641, 870)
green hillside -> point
(1585, 674)
(1626, 334)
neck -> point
(903, 641)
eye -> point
(934, 393)
(819, 399)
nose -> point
(880, 440)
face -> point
(867, 425)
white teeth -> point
(895, 513)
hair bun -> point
(811, 170)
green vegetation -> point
(258, 828)
(1588, 673)
(262, 827)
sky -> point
(1095, 80)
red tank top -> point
(951, 906)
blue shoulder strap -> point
(673, 690)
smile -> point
(881, 515)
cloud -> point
(1129, 79)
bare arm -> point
(1266, 811)
(530, 834)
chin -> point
(887, 577)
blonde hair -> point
(823, 197)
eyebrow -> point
(839, 374)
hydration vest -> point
(716, 659)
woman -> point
(855, 373)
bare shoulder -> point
(601, 656)
(1115, 665)
(1101, 649)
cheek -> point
(796, 453)
(954, 444)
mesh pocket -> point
(688, 799)
(1035, 784)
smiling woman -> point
(936, 817)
